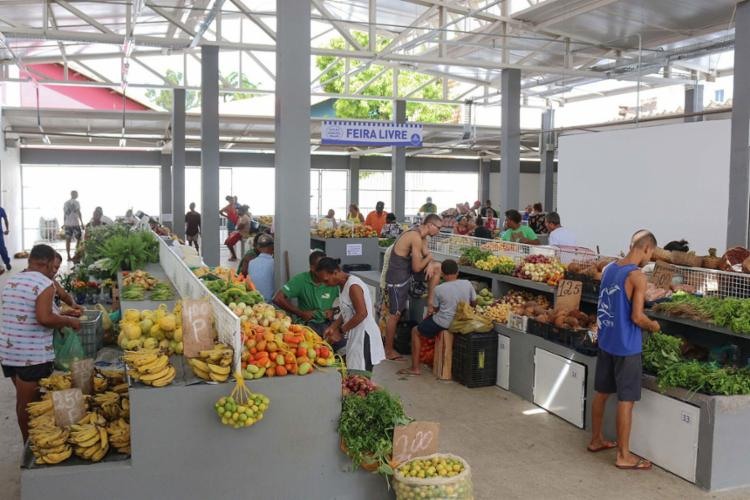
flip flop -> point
(641, 464)
(397, 358)
(612, 444)
(406, 371)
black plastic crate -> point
(561, 336)
(582, 343)
(537, 328)
(402, 342)
(475, 359)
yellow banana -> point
(199, 363)
(99, 454)
(219, 370)
(150, 377)
(225, 361)
(155, 366)
(103, 438)
(166, 379)
(218, 378)
(120, 388)
(56, 458)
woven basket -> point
(663, 255)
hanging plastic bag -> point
(68, 348)
(466, 320)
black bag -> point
(418, 285)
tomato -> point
(324, 352)
(301, 351)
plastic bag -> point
(466, 320)
(458, 487)
(68, 348)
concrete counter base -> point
(181, 449)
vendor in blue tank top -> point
(621, 319)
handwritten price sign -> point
(418, 439)
(68, 405)
(197, 331)
(568, 295)
(663, 274)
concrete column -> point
(11, 199)
(210, 153)
(510, 163)
(292, 160)
(354, 179)
(167, 217)
(547, 160)
(178, 159)
(398, 166)
(739, 160)
(693, 102)
(484, 180)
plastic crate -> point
(537, 328)
(475, 359)
(91, 333)
(583, 344)
(402, 342)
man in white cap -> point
(428, 207)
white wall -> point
(671, 179)
(530, 191)
(10, 198)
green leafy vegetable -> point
(661, 350)
(366, 427)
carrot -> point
(249, 284)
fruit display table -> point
(349, 250)
(157, 272)
(181, 449)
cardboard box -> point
(443, 363)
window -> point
(330, 190)
(374, 186)
(445, 188)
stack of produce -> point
(49, 443)
(526, 303)
(124, 249)
(152, 329)
(485, 298)
(561, 318)
(427, 351)
(139, 278)
(161, 291)
(235, 290)
(109, 405)
(241, 408)
(499, 246)
(348, 231)
(56, 382)
(89, 438)
(150, 367)
(366, 428)
(213, 364)
(119, 435)
(496, 264)
(588, 269)
(438, 476)
(662, 355)
(272, 353)
(470, 256)
(728, 312)
(357, 385)
(540, 268)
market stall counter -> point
(181, 449)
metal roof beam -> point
(577, 11)
(254, 18)
(340, 27)
(210, 16)
(83, 16)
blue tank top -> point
(618, 335)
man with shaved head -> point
(620, 319)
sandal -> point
(408, 371)
(641, 464)
(608, 445)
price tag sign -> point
(197, 331)
(69, 407)
(353, 249)
(662, 276)
(82, 373)
(568, 295)
(418, 439)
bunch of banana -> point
(43, 420)
(38, 408)
(49, 444)
(150, 366)
(125, 405)
(56, 382)
(119, 435)
(120, 388)
(100, 383)
(113, 377)
(92, 417)
(91, 441)
(108, 404)
(213, 364)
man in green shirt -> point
(314, 299)
(429, 207)
(516, 232)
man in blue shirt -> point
(260, 268)
(3, 250)
(620, 319)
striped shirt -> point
(23, 341)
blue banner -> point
(360, 133)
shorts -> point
(73, 232)
(192, 238)
(619, 374)
(398, 295)
(30, 373)
(231, 226)
(233, 239)
(429, 329)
